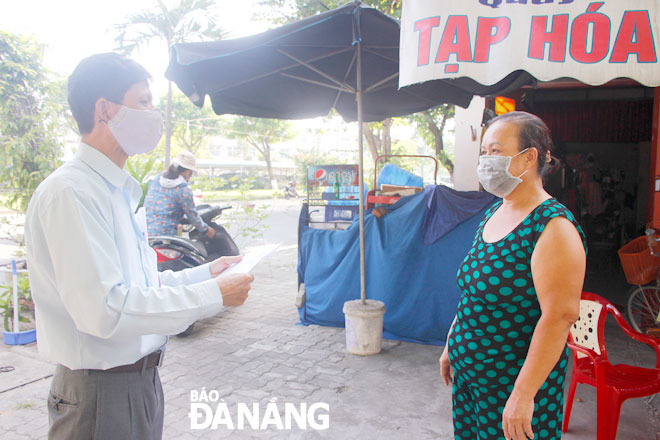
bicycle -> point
(641, 264)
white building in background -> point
(220, 167)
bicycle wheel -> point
(643, 307)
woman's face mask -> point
(494, 175)
(136, 131)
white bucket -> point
(364, 326)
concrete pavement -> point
(256, 354)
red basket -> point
(639, 265)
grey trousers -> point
(89, 404)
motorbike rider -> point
(290, 189)
(170, 198)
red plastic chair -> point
(614, 383)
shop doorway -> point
(601, 169)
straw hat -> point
(186, 160)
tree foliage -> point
(143, 168)
(260, 134)
(185, 20)
(192, 127)
(31, 121)
(378, 137)
(430, 125)
(285, 11)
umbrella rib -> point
(282, 69)
(394, 60)
(314, 69)
(330, 86)
(373, 86)
(348, 71)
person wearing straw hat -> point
(170, 199)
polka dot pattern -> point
(496, 318)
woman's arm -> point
(446, 372)
(188, 206)
(558, 268)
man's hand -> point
(219, 265)
(210, 232)
(446, 371)
(234, 288)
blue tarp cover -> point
(394, 175)
(446, 208)
(416, 281)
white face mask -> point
(494, 175)
(136, 131)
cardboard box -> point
(398, 190)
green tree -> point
(260, 133)
(143, 168)
(286, 11)
(31, 121)
(377, 135)
(183, 21)
(430, 126)
(192, 127)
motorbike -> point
(290, 190)
(193, 248)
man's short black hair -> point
(104, 75)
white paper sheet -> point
(251, 259)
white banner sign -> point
(592, 41)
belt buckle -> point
(161, 356)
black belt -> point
(149, 361)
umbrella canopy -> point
(306, 68)
(346, 59)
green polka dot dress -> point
(496, 317)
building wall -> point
(468, 140)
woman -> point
(506, 351)
(169, 198)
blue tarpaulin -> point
(394, 175)
(416, 281)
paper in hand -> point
(250, 260)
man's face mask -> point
(136, 131)
(494, 175)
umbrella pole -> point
(363, 284)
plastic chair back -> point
(585, 330)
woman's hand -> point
(219, 265)
(517, 418)
(210, 232)
(446, 371)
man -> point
(101, 306)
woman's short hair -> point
(104, 75)
(532, 132)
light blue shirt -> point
(99, 299)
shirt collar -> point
(109, 170)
